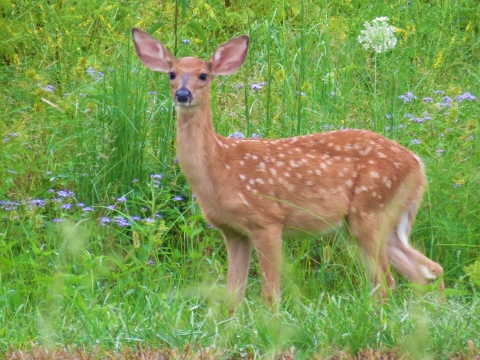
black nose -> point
(183, 95)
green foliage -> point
(113, 251)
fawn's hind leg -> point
(369, 232)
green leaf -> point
(5, 263)
(155, 27)
(201, 34)
(186, 230)
(456, 292)
(184, 6)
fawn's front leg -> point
(239, 251)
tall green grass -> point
(70, 278)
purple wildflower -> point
(177, 198)
(466, 96)
(56, 220)
(51, 190)
(105, 220)
(415, 142)
(408, 115)
(457, 184)
(122, 222)
(87, 209)
(156, 176)
(66, 206)
(11, 171)
(236, 135)
(149, 220)
(439, 92)
(101, 74)
(427, 99)
(407, 97)
(401, 126)
(388, 116)
(152, 93)
(5, 139)
(12, 134)
(439, 152)
(151, 262)
(185, 41)
(427, 117)
(65, 193)
(135, 218)
(9, 205)
(257, 87)
(111, 207)
(122, 199)
(48, 88)
(38, 202)
(446, 102)
(175, 161)
(417, 120)
(80, 205)
(158, 216)
(90, 71)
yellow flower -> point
(452, 41)
(31, 74)
(438, 60)
(469, 26)
(210, 10)
(403, 33)
(83, 62)
(280, 74)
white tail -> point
(256, 190)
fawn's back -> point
(309, 184)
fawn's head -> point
(190, 77)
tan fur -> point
(256, 190)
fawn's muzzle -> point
(183, 95)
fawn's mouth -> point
(184, 104)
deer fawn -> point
(257, 190)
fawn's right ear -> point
(151, 51)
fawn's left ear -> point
(151, 51)
(230, 56)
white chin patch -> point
(183, 104)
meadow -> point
(104, 253)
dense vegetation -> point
(102, 245)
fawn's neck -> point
(197, 149)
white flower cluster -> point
(378, 35)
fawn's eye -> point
(172, 75)
(203, 77)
